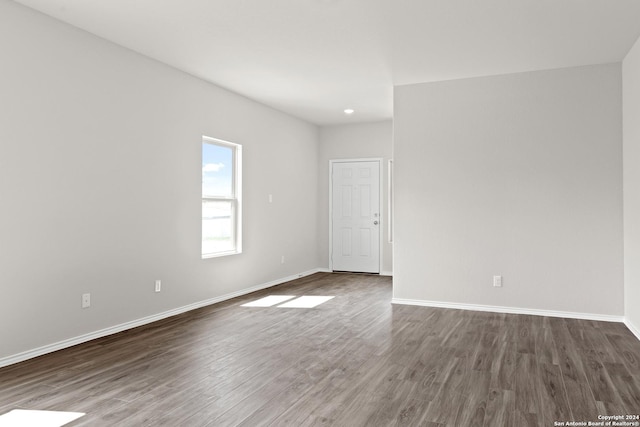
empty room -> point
(319, 213)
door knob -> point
(375, 222)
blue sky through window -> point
(217, 169)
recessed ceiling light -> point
(349, 111)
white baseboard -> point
(635, 331)
(510, 310)
(30, 354)
(386, 273)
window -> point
(221, 198)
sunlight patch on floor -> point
(269, 301)
(307, 301)
(30, 418)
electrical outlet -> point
(270, 198)
(86, 300)
(497, 281)
(282, 260)
(158, 285)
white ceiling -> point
(314, 58)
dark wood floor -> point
(355, 360)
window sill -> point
(220, 254)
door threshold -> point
(355, 272)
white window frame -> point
(235, 199)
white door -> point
(355, 216)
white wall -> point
(516, 175)
(631, 115)
(362, 140)
(100, 174)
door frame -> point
(380, 202)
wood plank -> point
(554, 405)
(500, 408)
(579, 393)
